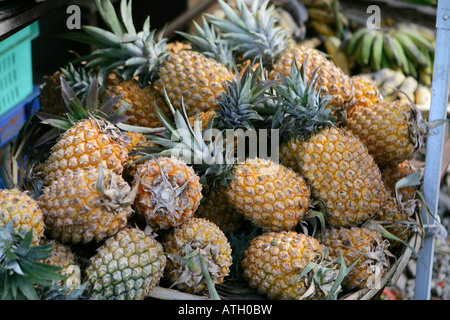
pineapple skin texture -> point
(126, 267)
(197, 234)
(385, 129)
(341, 174)
(75, 211)
(331, 79)
(274, 260)
(166, 200)
(24, 211)
(137, 139)
(365, 91)
(216, 208)
(269, 195)
(351, 242)
(193, 78)
(84, 145)
(142, 100)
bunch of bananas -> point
(405, 47)
(394, 85)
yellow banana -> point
(388, 86)
(324, 16)
(426, 75)
(377, 51)
(380, 76)
(322, 28)
(408, 89)
(422, 95)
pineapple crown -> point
(89, 107)
(20, 266)
(122, 49)
(252, 33)
(79, 79)
(210, 43)
(242, 97)
(303, 111)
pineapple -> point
(184, 74)
(85, 205)
(288, 265)
(141, 99)
(253, 33)
(365, 91)
(194, 238)
(269, 195)
(168, 192)
(392, 174)
(50, 97)
(216, 208)
(89, 139)
(359, 243)
(393, 132)
(23, 211)
(336, 164)
(126, 267)
(63, 257)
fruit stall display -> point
(112, 189)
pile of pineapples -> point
(120, 177)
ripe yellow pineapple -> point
(85, 205)
(193, 238)
(142, 99)
(88, 143)
(126, 267)
(393, 132)
(270, 195)
(359, 243)
(335, 163)
(365, 91)
(274, 262)
(90, 136)
(23, 211)
(216, 207)
(168, 192)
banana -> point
(325, 4)
(355, 40)
(400, 54)
(363, 56)
(408, 89)
(377, 51)
(324, 16)
(388, 86)
(411, 50)
(322, 28)
(412, 70)
(425, 32)
(418, 39)
(426, 75)
(422, 95)
(333, 47)
(380, 76)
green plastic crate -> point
(16, 72)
